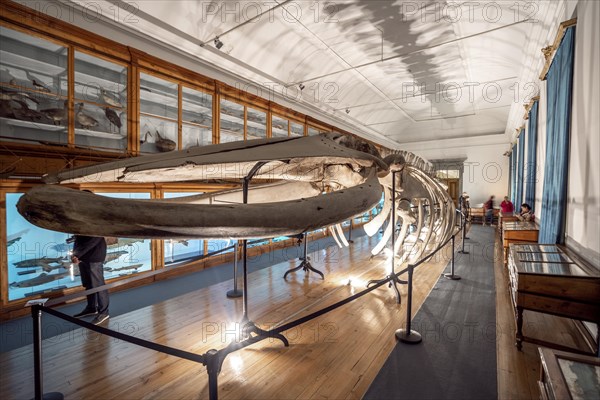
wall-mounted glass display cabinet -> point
(283, 127)
(197, 118)
(312, 131)
(83, 91)
(233, 116)
(159, 114)
(241, 122)
(177, 251)
(39, 260)
(100, 103)
(33, 89)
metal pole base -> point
(452, 276)
(463, 252)
(249, 327)
(306, 266)
(393, 281)
(232, 294)
(410, 337)
(53, 396)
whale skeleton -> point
(314, 182)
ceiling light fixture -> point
(218, 43)
(301, 86)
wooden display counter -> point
(568, 376)
(549, 279)
(506, 217)
(516, 232)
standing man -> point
(90, 252)
(489, 211)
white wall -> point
(583, 208)
(486, 169)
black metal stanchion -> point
(235, 292)
(451, 274)
(247, 325)
(350, 232)
(464, 233)
(38, 371)
(36, 314)
(408, 335)
(305, 264)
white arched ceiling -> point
(408, 70)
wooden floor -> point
(335, 356)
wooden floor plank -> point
(334, 356)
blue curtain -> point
(531, 167)
(510, 176)
(520, 168)
(554, 197)
(513, 174)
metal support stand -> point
(248, 326)
(214, 362)
(464, 234)
(393, 279)
(305, 264)
(451, 274)
(38, 372)
(408, 335)
(235, 292)
(350, 232)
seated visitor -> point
(526, 214)
(507, 206)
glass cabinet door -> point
(314, 131)
(232, 121)
(177, 250)
(296, 129)
(100, 104)
(159, 113)
(196, 118)
(38, 260)
(279, 127)
(33, 89)
(257, 124)
(128, 256)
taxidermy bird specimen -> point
(86, 121)
(161, 143)
(109, 99)
(16, 96)
(164, 144)
(113, 117)
(58, 115)
(37, 84)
